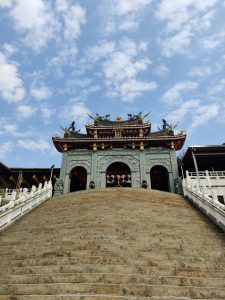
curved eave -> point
(164, 141)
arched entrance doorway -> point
(159, 178)
(118, 174)
(78, 179)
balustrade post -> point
(187, 178)
(13, 196)
(208, 178)
(214, 195)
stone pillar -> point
(208, 179)
(142, 166)
(63, 166)
(171, 182)
(88, 180)
(66, 184)
(148, 179)
(93, 176)
(63, 172)
(173, 160)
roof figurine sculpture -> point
(168, 128)
(105, 120)
(70, 131)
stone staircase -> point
(113, 244)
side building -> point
(118, 153)
(13, 178)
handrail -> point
(210, 206)
(207, 173)
(18, 202)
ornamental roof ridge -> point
(105, 120)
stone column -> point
(66, 184)
(63, 166)
(148, 179)
(171, 182)
(142, 166)
(173, 160)
(63, 172)
(88, 180)
(93, 176)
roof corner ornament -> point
(168, 128)
(70, 131)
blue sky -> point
(60, 60)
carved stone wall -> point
(140, 164)
(107, 158)
(150, 163)
(79, 163)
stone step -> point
(122, 269)
(112, 278)
(49, 224)
(113, 289)
(93, 260)
(91, 247)
(103, 254)
(88, 297)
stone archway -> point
(118, 174)
(78, 179)
(159, 177)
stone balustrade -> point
(211, 183)
(207, 191)
(16, 203)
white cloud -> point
(183, 19)
(11, 85)
(203, 114)
(196, 113)
(5, 3)
(62, 5)
(11, 128)
(36, 146)
(200, 71)
(36, 21)
(25, 111)
(74, 18)
(161, 71)
(120, 66)
(103, 49)
(217, 88)
(47, 113)
(75, 111)
(174, 94)
(5, 148)
(178, 13)
(123, 7)
(123, 15)
(131, 89)
(41, 93)
(179, 43)
(65, 56)
(214, 41)
(185, 108)
(9, 48)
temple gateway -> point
(120, 153)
